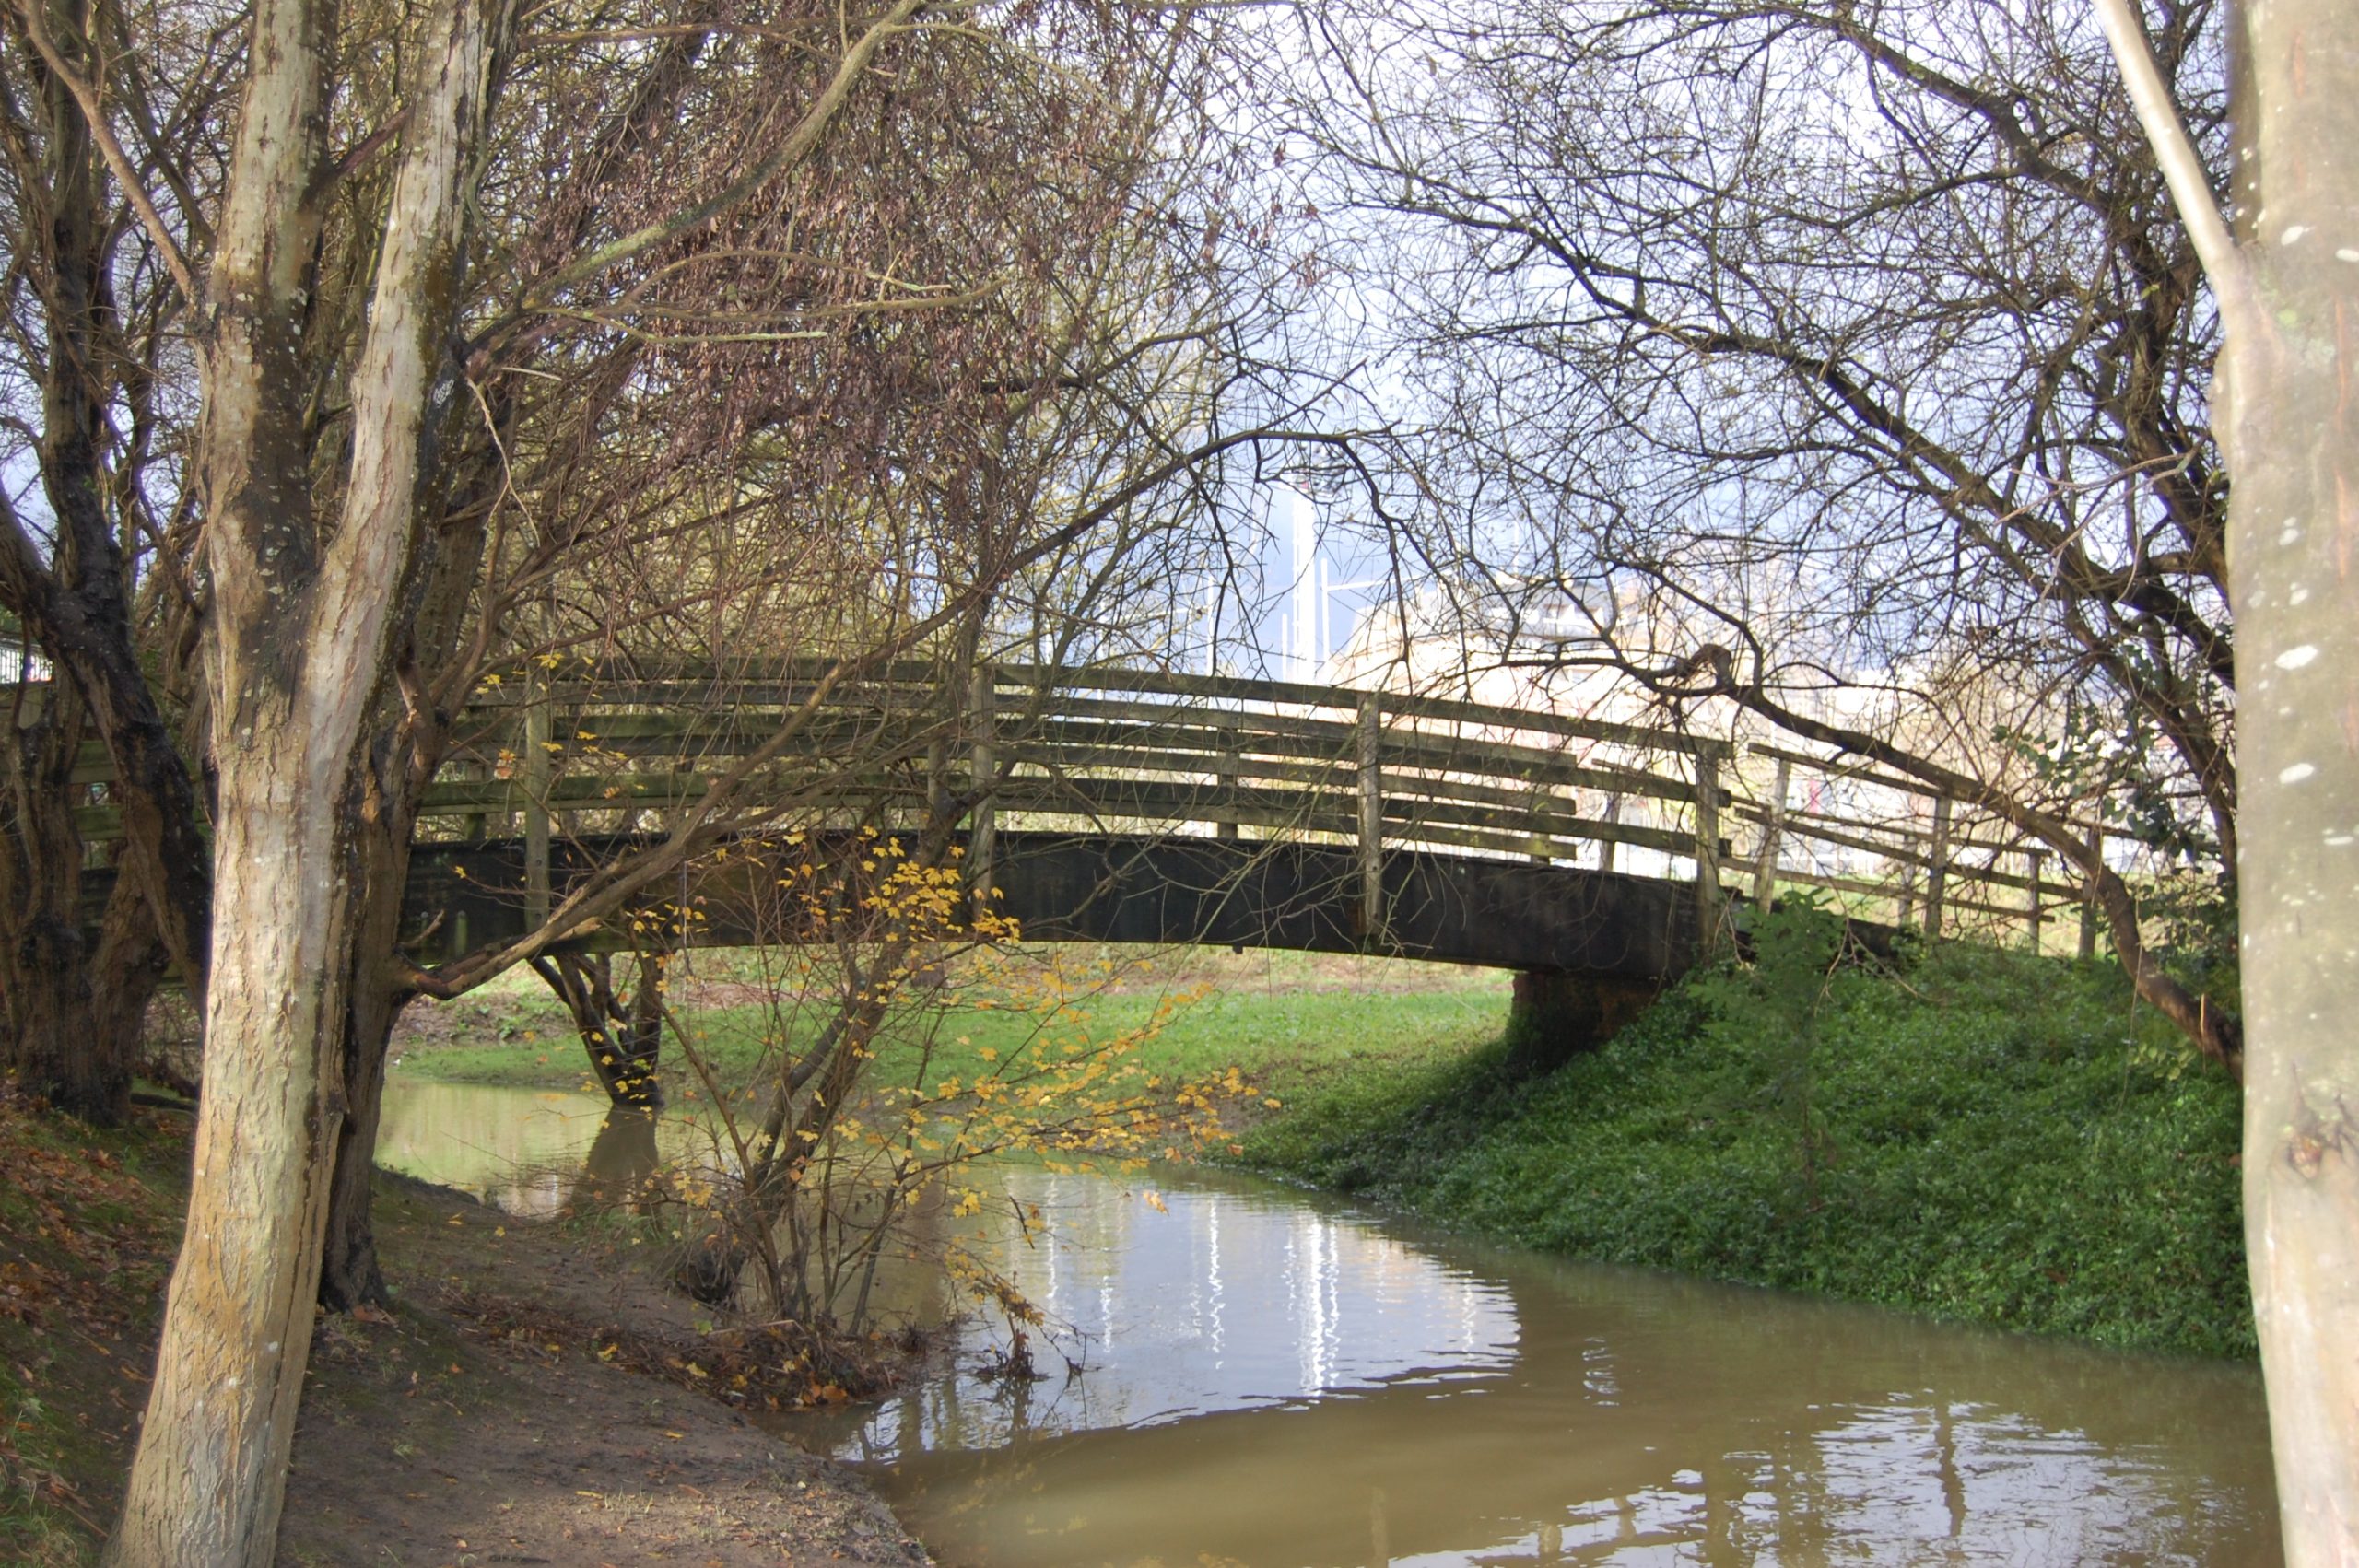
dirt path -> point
(478, 1423)
(535, 1397)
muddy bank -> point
(495, 1417)
(534, 1397)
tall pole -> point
(1707, 842)
(982, 825)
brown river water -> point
(1243, 1373)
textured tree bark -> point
(2285, 406)
(301, 631)
(349, 1273)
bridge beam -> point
(1082, 887)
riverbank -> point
(535, 1397)
(1990, 1138)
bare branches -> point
(795, 145)
(102, 132)
(1857, 339)
(2191, 187)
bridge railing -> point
(601, 750)
(1103, 750)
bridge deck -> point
(1081, 888)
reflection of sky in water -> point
(1272, 1382)
(1922, 1483)
(1219, 1302)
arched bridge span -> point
(1123, 805)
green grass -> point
(1254, 1022)
(1996, 1138)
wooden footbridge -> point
(1128, 805)
(1134, 806)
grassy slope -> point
(1998, 1138)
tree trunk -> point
(302, 632)
(211, 1467)
(349, 1273)
(2285, 405)
(72, 1006)
(623, 1037)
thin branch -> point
(94, 114)
(804, 135)
(2182, 171)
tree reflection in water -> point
(621, 1160)
(1271, 1381)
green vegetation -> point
(1982, 1135)
(1988, 1137)
(1283, 1018)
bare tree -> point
(93, 402)
(1859, 343)
(443, 318)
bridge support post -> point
(937, 792)
(1555, 1017)
(1937, 868)
(2034, 860)
(981, 826)
(536, 802)
(1227, 767)
(1371, 846)
(2089, 896)
(1707, 842)
(1765, 869)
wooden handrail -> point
(1125, 749)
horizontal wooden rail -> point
(618, 748)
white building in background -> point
(18, 663)
(1557, 659)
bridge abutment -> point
(1555, 1017)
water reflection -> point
(1275, 1380)
(1214, 1302)
(1272, 1381)
(621, 1157)
(526, 1151)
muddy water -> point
(1268, 1379)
